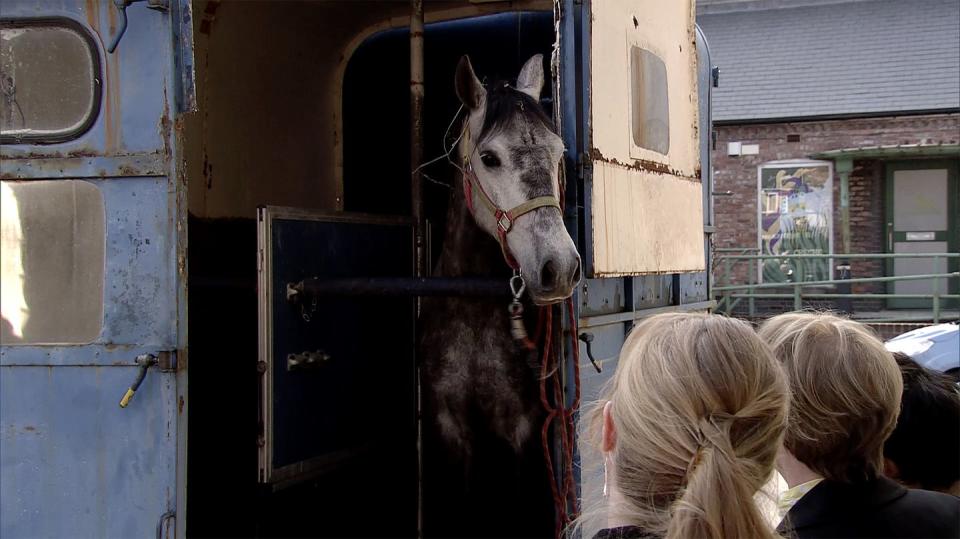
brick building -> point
(837, 130)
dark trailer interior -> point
(307, 105)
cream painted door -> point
(645, 197)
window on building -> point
(49, 81)
(52, 247)
(795, 207)
(649, 101)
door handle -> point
(166, 362)
(145, 361)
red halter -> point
(504, 218)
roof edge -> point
(825, 117)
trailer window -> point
(49, 81)
(52, 247)
(650, 113)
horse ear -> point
(530, 80)
(469, 89)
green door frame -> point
(952, 236)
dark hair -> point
(503, 104)
(926, 441)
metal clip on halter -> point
(517, 328)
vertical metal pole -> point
(416, 129)
(751, 291)
(416, 208)
(844, 168)
(797, 298)
(936, 291)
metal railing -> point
(729, 295)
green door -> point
(922, 217)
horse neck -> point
(467, 249)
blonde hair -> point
(699, 407)
(845, 392)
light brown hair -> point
(699, 407)
(845, 392)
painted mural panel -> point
(795, 216)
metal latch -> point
(159, 5)
(166, 361)
(587, 339)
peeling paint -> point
(165, 126)
(644, 165)
(81, 164)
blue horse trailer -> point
(170, 167)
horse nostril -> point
(576, 274)
(548, 275)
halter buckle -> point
(504, 222)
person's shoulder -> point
(939, 513)
(930, 500)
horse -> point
(480, 381)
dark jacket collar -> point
(832, 501)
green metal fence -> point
(729, 295)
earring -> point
(606, 492)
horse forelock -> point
(506, 105)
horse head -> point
(510, 155)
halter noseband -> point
(504, 218)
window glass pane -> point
(48, 82)
(651, 115)
(796, 218)
(52, 259)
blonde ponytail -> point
(718, 500)
(699, 406)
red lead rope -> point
(561, 417)
(566, 504)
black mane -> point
(504, 104)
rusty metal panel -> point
(134, 116)
(77, 465)
(646, 199)
(139, 311)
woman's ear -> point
(608, 431)
(890, 469)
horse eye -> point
(490, 160)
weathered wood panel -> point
(647, 214)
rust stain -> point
(30, 428)
(111, 20)
(644, 165)
(92, 11)
(81, 152)
(165, 126)
(111, 98)
(178, 129)
(180, 406)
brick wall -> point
(736, 214)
